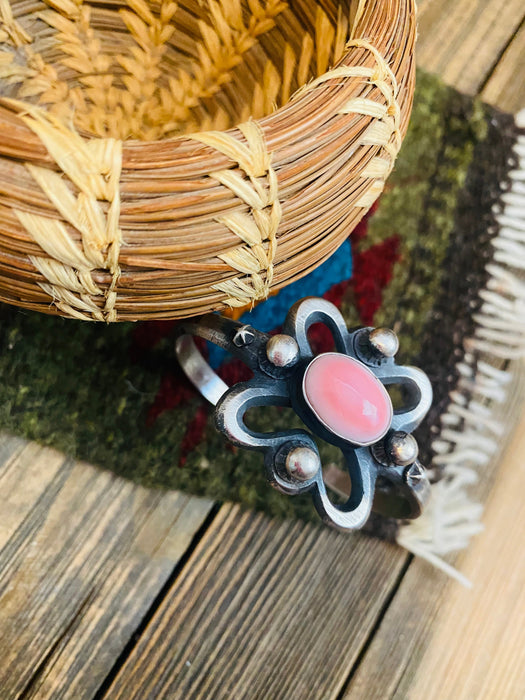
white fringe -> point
(469, 432)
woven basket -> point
(160, 160)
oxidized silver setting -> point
(386, 476)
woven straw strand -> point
(190, 224)
(385, 131)
(94, 167)
(258, 229)
(10, 29)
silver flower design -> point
(382, 465)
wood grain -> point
(478, 648)
(263, 610)
(84, 554)
(439, 640)
(462, 41)
(506, 86)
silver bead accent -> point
(282, 350)
(402, 448)
(245, 335)
(384, 341)
(302, 464)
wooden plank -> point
(461, 41)
(506, 86)
(479, 635)
(26, 470)
(440, 640)
(9, 446)
(84, 555)
(263, 610)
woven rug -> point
(439, 260)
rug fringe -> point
(469, 436)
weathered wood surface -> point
(462, 40)
(84, 555)
(103, 596)
(505, 86)
(263, 610)
(478, 644)
(441, 641)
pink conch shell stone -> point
(347, 398)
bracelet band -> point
(339, 396)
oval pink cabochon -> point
(347, 398)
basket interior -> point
(153, 70)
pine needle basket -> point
(161, 159)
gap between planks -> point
(505, 87)
(463, 41)
(468, 70)
(83, 557)
(439, 640)
(263, 609)
(283, 610)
